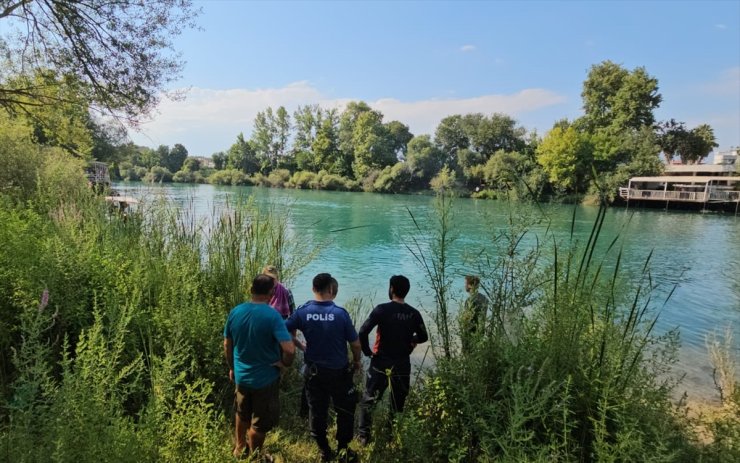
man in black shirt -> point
(400, 329)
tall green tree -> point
(424, 158)
(325, 153)
(565, 156)
(306, 120)
(270, 135)
(177, 157)
(614, 96)
(120, 51)
(399, 136)
(690, 145)
(347, 123)
(451, 136)
(58, 110)
(220, 159)
(241, 156)
(372, 144)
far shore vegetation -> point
(479, 155)
(111, 324)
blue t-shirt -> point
(327, 329)
(256, 331)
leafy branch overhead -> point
(119, 50)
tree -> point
(241, 156)
(451, 136)
(58, 112)
(347, 122)
(400, 137)
(178, 155)
(325, 153)
(372, 144)
(670, 136)
(697, 145)
(191, 165)
(119, 51)
(163, 154)
(691, 145)
(219, 159)
(614, 96)
(424, 158)
(565, 155)
(307, 120)
(270, 137)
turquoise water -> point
(361, 239)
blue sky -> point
(418, 62)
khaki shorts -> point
(260, 407)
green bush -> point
(278, 178)
(229, 177)
(303, 179)
(158, 174)
(184, 176)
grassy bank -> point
(111, 343)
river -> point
(362, 240)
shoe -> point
(347, 455)
(363, 440)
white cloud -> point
(467, 48)
(209, 120)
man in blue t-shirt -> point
(256, 346)
(327, 329)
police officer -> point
(327, 329)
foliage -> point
(229, 177)
(424, 159)
(158, 174)
(56, 109)
(691, 145)
(444, 181)
(616, 97)
(278, 178)
(565, 156)
(185, 176)
(566, 369)
(120, 52)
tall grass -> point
(568, 367)
(125, 362)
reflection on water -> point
(362, 240)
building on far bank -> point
(695, 186)
(205, 162)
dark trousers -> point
(323, 384)
(380, 375)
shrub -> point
(302, 179)
(183, 176)
(229, 177)
(278, 178)
(158, 174)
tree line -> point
(486, 156)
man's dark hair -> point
(322, 283)
(262, 285)
(400, 285)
